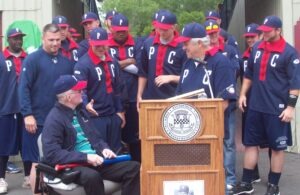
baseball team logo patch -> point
(181, 122)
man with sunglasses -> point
(213, 30)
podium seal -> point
(181, 122)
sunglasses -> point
(212, 27)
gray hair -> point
(53, 28)
(205, 40)
(60, 97)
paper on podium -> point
(188, 95)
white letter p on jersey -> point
(185, 74)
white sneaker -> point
(229, 186)
(26, 182)
(3, 186)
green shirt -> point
(82, 143)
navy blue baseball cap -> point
(191, 30)
(60, 21)
(110, 14)
(68, 82)
(89, 16)
(98, 37)
(270, 23)
(251, 30)
(119, 23)
(212, 14)
(211, 26)
(14, 32)
(156, 14)
(165, 20)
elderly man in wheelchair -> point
(70, 140)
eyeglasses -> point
(212, 27)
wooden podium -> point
(182, 146)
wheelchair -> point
(52, 182)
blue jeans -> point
(229, 150)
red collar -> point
(221, 43)
(73, 44)
(96, 60)
(275, 46)
(247, 52)
(7, 53)
(212, 51)
(113, 43)
(172, 43)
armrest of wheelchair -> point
(47, 169)
(67, 176)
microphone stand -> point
(204, 63)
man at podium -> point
(211, 71)
(206, 67)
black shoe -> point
(255, 179)
(242, 188)
(272, 190)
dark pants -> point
(110, 129)
(130, 133)
(127, 173)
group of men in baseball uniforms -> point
(119, 71)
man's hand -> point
(287, 114)
(126, 62)
(94, 159)
(90, 107)
(30, 124)
(164, 79)
(242, 102)
(122, 116)
(138, 100)
(107, 153)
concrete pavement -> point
(289, 183)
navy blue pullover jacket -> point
(160, 59)
(103, 82)
(83, 47)
(10, 67)
(40, 71)
(274, 69)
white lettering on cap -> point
(296, 61)
(162, 18)
(75, 78)
(266, 20)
